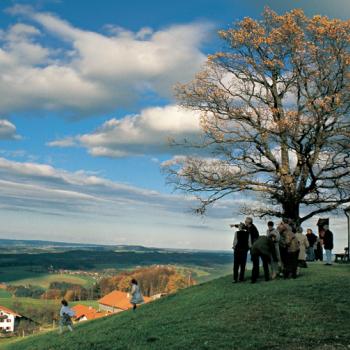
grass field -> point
(92, 303)
(24, 276)
(12, 274)
(309, 313)
(204, 274)
(45, 280)
(10, 302)
(5, 294)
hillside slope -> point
(312, 312)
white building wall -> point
(7, 324)
(108, 308)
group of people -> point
(324, 239)
(66, 313)
(283, 250)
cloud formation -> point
(56, 204)
(8, 130)
(149, 132)
(77, 206)
(26, 185)
(89, 72)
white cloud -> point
(89, 72)
(77, 206)
(7, 130)
(66, 142)
(149, 132)
(35, 184)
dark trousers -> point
(255, 272)
(291, 265)
(284, 253)
(239, 262)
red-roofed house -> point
(117, 301)
(8, 319)
(85, 313)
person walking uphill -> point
(136, 296)
(264, 248)
(65, 316)
(241, 245)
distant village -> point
(112, 303)
(111, 297)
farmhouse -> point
(117, 301)
(9, 319)
(85, 313)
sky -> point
(87, 109)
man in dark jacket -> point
(241, 245)
(264, 248)
(252, 230)
(312, 239)
(328, 244)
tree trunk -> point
(291, 211)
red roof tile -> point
(119, 300)
(89, 312)
(9, 311)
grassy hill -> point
(312, 312)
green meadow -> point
(22, 275)
(311, 312)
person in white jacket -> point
(304, 245)
(276, 266)
(66, 314)
(136, 296)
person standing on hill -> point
(252, 230)
(312, 239)
(264, 248)
(303, 245)
(66, 314)
(241, 245)
(319, 246)
(274, 264)
(136, 295)
(328, 244)
(289, 245)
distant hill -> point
(39, 243)
(309, 313)
(22, 243)
(44, 255)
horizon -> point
(111, 245)
(86, 110)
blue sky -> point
(86, 108)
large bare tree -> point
(274, 108)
